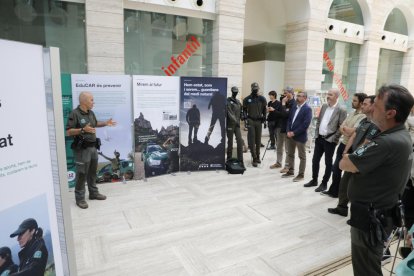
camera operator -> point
(380, 171)
(81, 124)
(254, 108)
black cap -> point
(4, 251)
(255, 85)
(25, 225)
(234, 89)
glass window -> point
(389, 67)
(164, 44)
(346, 10)
(340, 69)
(48, 23)
(396, 23)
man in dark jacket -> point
(274, 116)
(297, 135)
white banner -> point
(156, 123)
(25, 165)
(112, 98)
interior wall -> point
(274, 76)
(253, 72)
(265, 21)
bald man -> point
(82, 125)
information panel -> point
(202, 115)
(156, 106)
(27, 192)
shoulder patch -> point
(37, 254)
(249, 100)
(360, 151)
(6, 272)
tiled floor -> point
(210, 223)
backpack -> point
(234, 166)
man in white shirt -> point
(327, 136)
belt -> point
(254, 119)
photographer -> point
(81, 124)
(380, 171)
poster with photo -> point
(26, 181)
(156, 124)
(203, 115)
(112, 99)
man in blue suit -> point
(300, 117)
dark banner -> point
(202, 116)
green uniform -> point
(86, 157)
(254, 107)
(233, 127)
(384, 167)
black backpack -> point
(234, 166)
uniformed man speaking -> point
(254, 108)
(81, 124)
(380, 170)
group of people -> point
(373, 149)
(32, 256)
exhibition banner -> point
(26, 180)
(156, 124)
(202, 115)
(112, 99)
(67, 106)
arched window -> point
(346, 10)
(396, 23)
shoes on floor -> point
(327, 193)
(284, 170)
(258, 161)
(97, 197)
(288, 174)
(261, 145)
(254, 163)
(311, 184)
(298, 178)
(338, 211)
(322, 187)
(386, 258)
(82, 204)
(271, 147)
(275, 166)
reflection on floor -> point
(210, 223)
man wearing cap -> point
(7, 265)
(33, 256)
(254, 108)
(82, 124)
(234, 109)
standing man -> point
(347, 128)
(287, 103)
(254, 108)
(193, 119)
(274, 115)
(363, 135)
(327, 135)
(380, 171)
(82, 125)
(297, 134)
(234, 109)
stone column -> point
(105, 36)
(368, 66)
(407, 74)
(304, 54)
(228, 36)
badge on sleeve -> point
(37, 254)
(360, 151)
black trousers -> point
(322, 147)
(272, 132)
(336, 171)
(366, 259)
(254, 137)
(234, 130)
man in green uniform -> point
(234, 109)
(380, 170)
(82, 125)
(254, 108)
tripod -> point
(268, 142)
(401, 231)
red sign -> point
(337, 78)
(183, 57)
